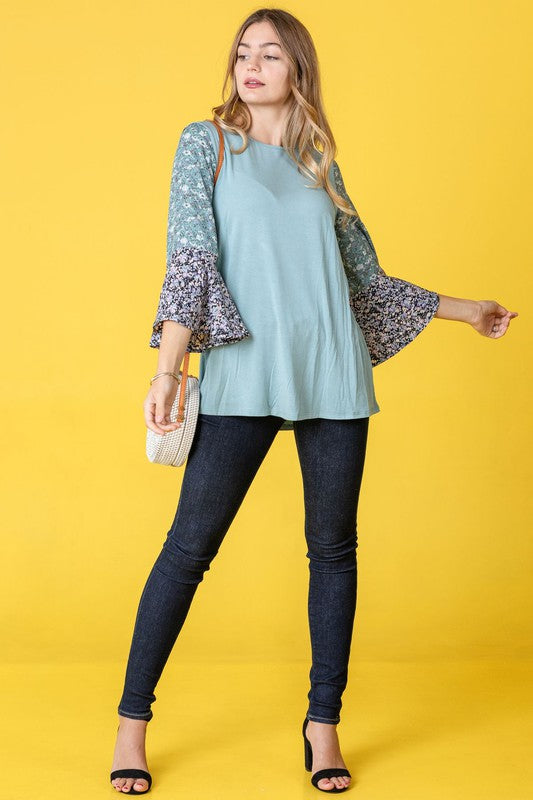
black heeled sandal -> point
(330, 772)
(132, 773)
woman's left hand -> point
(492, 319)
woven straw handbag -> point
(172, 447)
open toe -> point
(133, 773)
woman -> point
(273, 277)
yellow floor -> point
(433, 730)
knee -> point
(179, 563)
(332, 551)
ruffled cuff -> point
(391, 312)
(195, 295)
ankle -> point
(321, 726)
(134, 724)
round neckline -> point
(275, 146)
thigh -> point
(225, 455)
(332, 455)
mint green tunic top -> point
(289, 308)
(279, 258)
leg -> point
(332, 454)
(224, 457)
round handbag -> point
(172, 447)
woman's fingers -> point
(502, 324)
(163, 408)
(157, 408)
(149, 416)
(494, 320)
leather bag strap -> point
(185, 368)
(220, 146)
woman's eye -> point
(243, 55)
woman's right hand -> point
(158, 405)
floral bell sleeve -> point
(193, 292)
(390, 311)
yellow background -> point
(430, 108)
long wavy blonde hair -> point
(307, 127)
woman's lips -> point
(254, 85)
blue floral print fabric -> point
(193, 292)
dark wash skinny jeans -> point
(225, 455)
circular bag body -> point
(172, 447)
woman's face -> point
(260, 57)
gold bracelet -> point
(164, 373)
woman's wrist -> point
(164, 374)
(476, 312)
(459, 309)
(167, 365)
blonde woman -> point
(273, 277)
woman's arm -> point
(195, 310)
(173, 341)
(172, 347)
(390, 311)
(194, 293)
(487, 317)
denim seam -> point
(129, 713)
